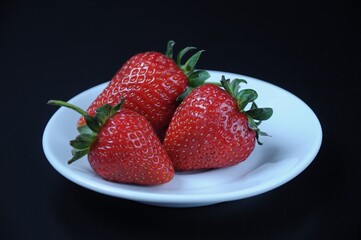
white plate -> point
(296, 139)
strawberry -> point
(151, 82)
(212, 129)
(121, 146)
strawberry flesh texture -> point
(127, 150)
(150, 83)
(208, 131)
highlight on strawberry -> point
(153, 83)
(212, 128)
(121, 145)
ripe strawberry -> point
(151, 82)
(121, 146)
(212, 129)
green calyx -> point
(244, 97)
(195, 77)
(88, 133)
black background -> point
(57, 49)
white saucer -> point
(296, 139)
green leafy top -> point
(195, 77)
(88, 133)
(243, 97)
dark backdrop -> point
(58, 49)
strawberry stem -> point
(195, 77)
(88, 133)
(68, 105)
(243, 97)
(169, 52)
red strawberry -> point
(212, 129)
(121, 146)
(151, 82)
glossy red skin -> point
(127, 150)
(208, 131)
(150, 83)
